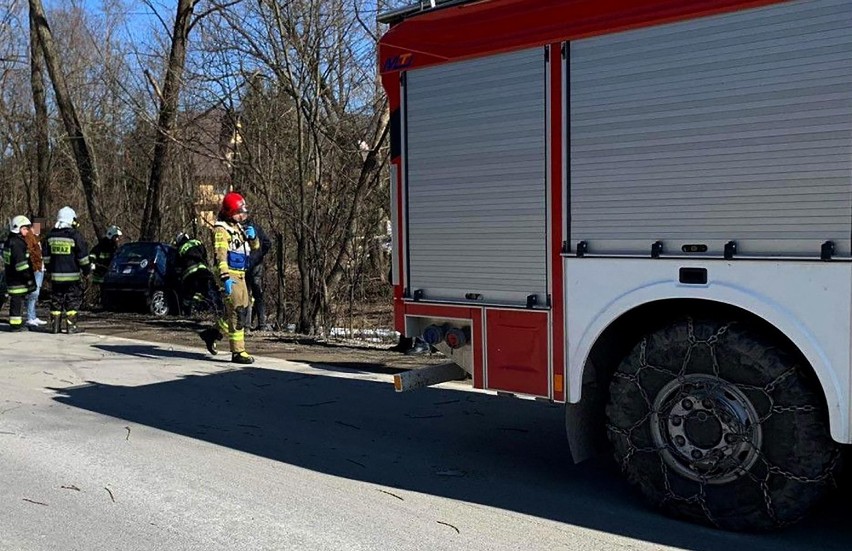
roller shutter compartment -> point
(728, 128)
(475, 165)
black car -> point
(143, 274)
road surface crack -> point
(450, 525)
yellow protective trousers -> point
(236, 306)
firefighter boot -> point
(55, 322)
(242, 358)
(71, 323)
(210, 336)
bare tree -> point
(83, 153)
(14, 116)
(42, 150)
(313, 136)
(169, 96)
(295, 81)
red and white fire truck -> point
(643, 209)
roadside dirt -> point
(353, 355)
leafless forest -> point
(141, 112)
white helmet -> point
(113, 231)
(180, 239)
(19, 222)
(66, 218)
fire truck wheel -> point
(721, 423)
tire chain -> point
(700, 498)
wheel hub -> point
(159, 305)
(706, 428)
(703, 429)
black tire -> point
(722, 424)
(158, 303)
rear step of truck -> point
(427, 376)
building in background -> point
(210, 140)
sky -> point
(144, 20)
(139, 16)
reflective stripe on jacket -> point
(101, 257)
(192, 257)
(229, 240)
(19, 273)
(65, 255)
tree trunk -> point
(166, 120)
(282, 281)
(42, 159)
(370, 170)
(84, 156)
(307, 318)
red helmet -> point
(233, 204)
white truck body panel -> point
(810, 302)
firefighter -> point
(232, 247)
(101, 257)
(195, 276)
(102, 253)
(20, 279)
(66, 261)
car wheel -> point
(718, 422)
(158, 304)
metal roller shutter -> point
(734, 127)
(476, 165)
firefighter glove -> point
(229, 286)
(251, 233)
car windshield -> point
(140, 255)
(136, 251)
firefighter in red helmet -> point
(232, 245)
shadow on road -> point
(153, 351)
(494, 451)
(358, 367)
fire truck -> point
(642, 209)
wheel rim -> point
(706, 428)
(159, 305)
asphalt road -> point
(113, 444)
